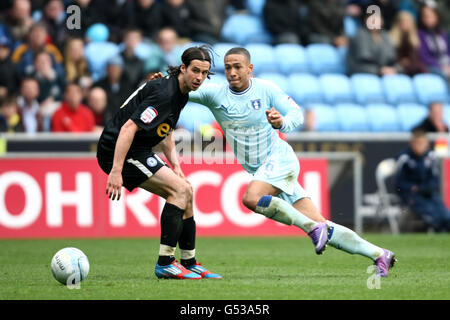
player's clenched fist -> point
(274, 117)
(114, 185)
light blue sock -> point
(281, 211)
(347, 240)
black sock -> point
(171, 227)
(187, 239)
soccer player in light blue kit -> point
(249, 111)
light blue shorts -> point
(281, 170)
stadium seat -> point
(367, 88)
(244, 29)
(221, 49)
(336, 88)
(410, 115)
(382, 117)
(256, 7)
(277, 78)
(352, 117)
(262, 57)
(195, 115)
(447, 114)
(324, 58)
(430, 88)
(304, 88)
(326, 117)
(291, 58)
(97, 55)
(144, 50)
(398, 89)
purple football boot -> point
(385, 262)
(319, 237)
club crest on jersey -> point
(148, 115)
(256, 104)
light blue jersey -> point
(242, 117)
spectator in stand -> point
(176, 14)
(116, 86)
(309, 124)
(434, 122)
(167, 53)
(286, 20)
(24, 54)
(75, 63)
(54, 18)
(73, 116)
(418, 180)
(206, 19)
(9, 116)
(434, 44)
(9, 79)
(144, 15)
(133, 66)
(29, 108)
(405, 38)
(97, 102)
(326, 22)
(51, 82)
(18, 20)
(371, 50)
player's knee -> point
(250, 201)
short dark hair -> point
(418, 133)
(239, 50)
(202, 53)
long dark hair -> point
(202, 53)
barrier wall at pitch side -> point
(64, 196)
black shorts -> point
(137, 168)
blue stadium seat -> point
(144, 50)
(367, 88)
(97, 55)
(244, 29)
(256, 7)
(291, 58)
(262, 57)
(304, 88)
(195, 115)
(324, 58)
(383, 117)
(221, 49)
(326, 117)
(336, 88)
(352, 117)
(277, 78)
(447, 114)
(398, 89)
(430, 88)
(411, 114)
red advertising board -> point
(65, 197)
(446, 187)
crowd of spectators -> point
(47, 83)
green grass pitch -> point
(254, 268)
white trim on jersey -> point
(132, 95)
(140, 166)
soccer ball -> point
(70, 266)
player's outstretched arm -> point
(126, 136)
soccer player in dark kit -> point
(147, 118)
